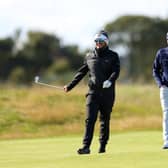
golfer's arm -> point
(116, 71)
(78, 77)
(157, 71)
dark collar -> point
(101, 52)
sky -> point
(73, 21)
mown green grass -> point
(42, 111)
(140, 149)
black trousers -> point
(99, 102)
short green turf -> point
(125, 150)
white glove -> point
(106, 84)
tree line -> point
(41, 54)
(136, 38)
(139, 37)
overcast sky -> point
(74, 21)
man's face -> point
(100, 43)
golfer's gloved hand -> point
(106, 84)
(65, 88)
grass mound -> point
(41, 111)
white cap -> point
(101, 37)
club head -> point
(36, 79)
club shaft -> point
(44, 84)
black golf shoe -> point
(165, 147)
(102, 150)
(83, 151)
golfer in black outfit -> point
(103, 66)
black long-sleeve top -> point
(102, 65)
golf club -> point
(36, 80)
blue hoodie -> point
(160, 67)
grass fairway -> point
(125, 150)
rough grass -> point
(41, 111)
(130, 150)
